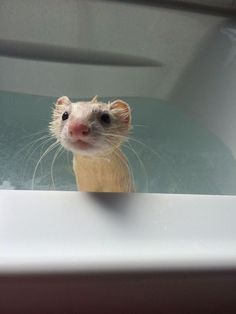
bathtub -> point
(169, 251)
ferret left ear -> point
(64, 100)
(122, 109)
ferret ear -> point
(123, 109)
(95, 99)
(64, 100)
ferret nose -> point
(77, 130)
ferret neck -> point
(109, 155)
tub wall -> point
(167, 37)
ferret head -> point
(90, 128)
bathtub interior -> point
(168, 151)
(180, 141)
(57, 246)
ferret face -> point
(90, 128)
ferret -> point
(94, 131)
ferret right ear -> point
(64, 100)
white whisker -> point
(160, 155)
(129, 146)
(30, 153)
(126, 163)
(50, 148)
(52, 165)
(35, 134)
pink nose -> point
(78, 130)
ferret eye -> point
(65, 116)
(105, 118)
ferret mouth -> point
(80, 144)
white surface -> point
(170, 37)
(56, 231)
(207, 88)
(72, 231)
